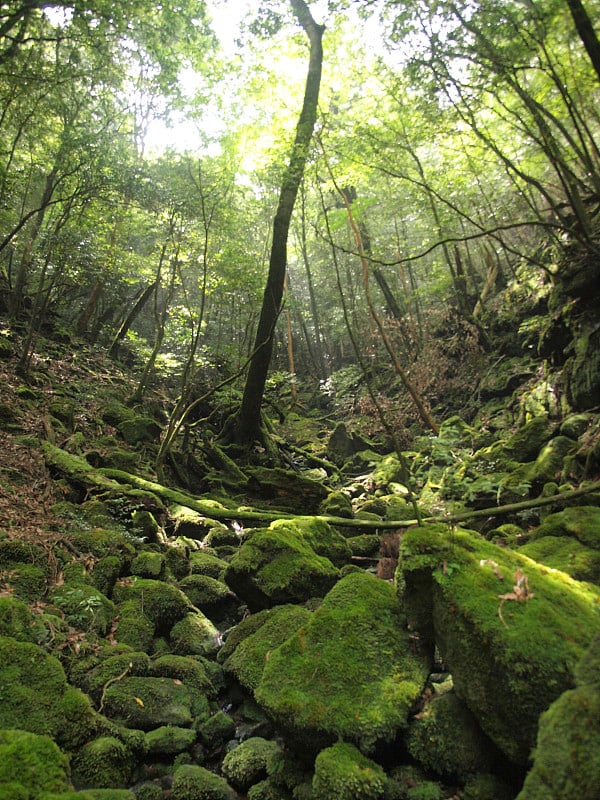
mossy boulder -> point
(526, 443)
(148, 564)
(289, 489)
(446, 739)
(139, 430)
(147, 703)
(246, 655)
(104, 763)
(216, 730)
(349, 672)
(509, 630)
(567, 756)
(162, 603)
(280, 564)
(191, 782)
(203, 563)
(247, 764)
(343, 772)
(566, 554)
(337, 504)
(18, 621)
(580, 522)
(31, 764)
(194, 635)
(133, 627)
(192, 671)
(177, 561)
(112, 668)
(168, 741)
(212, 596)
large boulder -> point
(288, 562)
(348, 673)
(567, 756)
(510, 630)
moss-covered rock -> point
(17, 621)
(486, 786)
(31, 764)
(212, 596)
(162, 603)
(566, 554)
(510, 630)
(567, 756)
(349, 672)
(191, 782)
(247, 763)
(446, 739)
(139, 430)
(194, 635)
(133, 627)
(337, 504)
(147, 703)
(203, 563)
(279, 565)
(113, 668)
(106, 572)
(343, 772)
(192, 671)
(104, 763)
(33, 684)
(246, 655)
(148, 564)
(580, 522)
(168, 741)
(289, 489)
(177, 561)
(216, 730)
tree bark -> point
(247, 426)
(586, 32)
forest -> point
(299, 400)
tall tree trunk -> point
(248, 420)
(586, 32)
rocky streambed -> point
(151, 649)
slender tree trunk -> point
(248, 420)
(586, 32)
(130, 318)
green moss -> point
(102, 542)
(169, 740)
(247, 763)
(32, 762)
(487, 787)
(146, 703)
(566, 554)
(210, 595)
(446, 739)
(106, 572)
(76, 721)
(343, 772)
(133, 627)
(32, 684)
(139, 429)
(18, 622)
(148, 564)
(104, 763)
(580, 522)
(567, 756)
(247, 660)
(194, 635)
(162, 603)
(114, 667)
(509, 662)
(192, 671)
(178, 562)
(527, 441)
(365, 545)
(279, 565)
(191, 782)
(349, 672)
(217, 730)
(337, 504)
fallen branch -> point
(80, 471)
